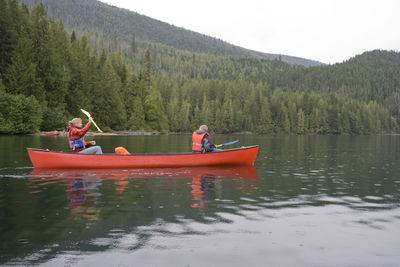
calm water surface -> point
(308, 201)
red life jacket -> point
(197, 141)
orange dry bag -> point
(121, 151)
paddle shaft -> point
(227, 144)
(95, 125)
(91, 119)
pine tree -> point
(283, 119)
(82, 70)
(9, 24)
(21, 76)
(147, 71)
(173, 114)
(184, 116)
(107, 103)
(155, 116)
(197, 119)
(133, 46)
(301, 122)
(19, 113)
(264, 124)
(293, 116)
(224, 116)
(133, 101)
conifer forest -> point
(48, 72)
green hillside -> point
(94, 18)
(48, 73)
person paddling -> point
(75, 135)
(201, 142)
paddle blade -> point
(91, 119)
(86, 113)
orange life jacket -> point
(197, 141)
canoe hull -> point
(49, 159)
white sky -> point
(329, 31)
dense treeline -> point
(47, 75)
(247, 106)
(372, 76)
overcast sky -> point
(329, 31)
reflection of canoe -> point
(82, 184)
(49, 159)
(238, 171)
(52, 134)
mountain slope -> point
(376, 59)
(97, 17)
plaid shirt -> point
(76, 133)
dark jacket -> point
(206, 142)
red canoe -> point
(52, 134)
(41, 158)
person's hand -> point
(90, 119)
(92, 143)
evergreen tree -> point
(8, 32)
(264, 124)
(205, 112)
(301, 122)
(251, 109)
(333, 115)
(147, 71)
(82, 72)
(173, 113)
(197, 119)
(184, 116)
(133, 46)
(107, 103)
(21, 76)
(224, 117)
(283, 119)
(154, 113)
(19, 113)
(133, 101)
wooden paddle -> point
(91, 119)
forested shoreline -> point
(47, 75)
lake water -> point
(308, 201)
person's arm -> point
(90, 143)
(79, 133)
(208, 146)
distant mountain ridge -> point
(128, 25)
